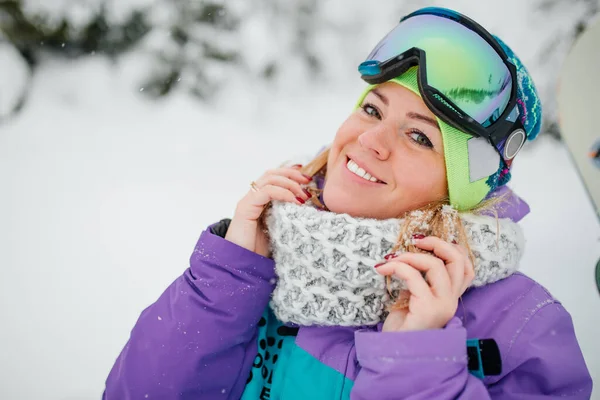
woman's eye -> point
(371, 110)
(420, 138)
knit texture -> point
(324, 262)
(464, 194)
(530, 106)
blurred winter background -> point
(128, 126)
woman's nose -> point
(376, 140)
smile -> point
(358, 171)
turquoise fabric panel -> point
(284, 371)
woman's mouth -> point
(355, 169)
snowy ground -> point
(104, 194)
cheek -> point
(440, 180)
(423, 176)
(436, 176)
(348, 131)
(344, 135)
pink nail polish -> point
(418, 236)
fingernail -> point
(390, 256)
(307, 177)
(379, 265)
(300, 200)
(307, 193)
(418, 236)
(297, 166)
(454, 241)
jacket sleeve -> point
(544, 363)
(199, 339)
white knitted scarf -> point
(324, 262)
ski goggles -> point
(465, 77)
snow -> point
(14, 79)
(81, 12)
(104, 194)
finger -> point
(289, 172)
(286, 183)
(469, 271)
(435, 271)
(415, 282)
(462, 250)
(468, 280)
(467, 263)
(268, 193)
(448, 252)
(450, 255)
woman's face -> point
(396, 141)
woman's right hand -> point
(283, 184)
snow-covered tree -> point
(197, 45)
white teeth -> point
(354, 168)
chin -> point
(340, 202)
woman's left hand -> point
(433, 299)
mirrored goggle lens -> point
(460, 64)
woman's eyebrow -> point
(423, 118)
(381, 96)
(412, 115)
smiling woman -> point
(342, 278)
(395, 138)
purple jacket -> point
(198, 341)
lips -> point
(359, 170)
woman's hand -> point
(433, 299)
(283, 184)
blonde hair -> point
(435, 219)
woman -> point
(378, 287)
